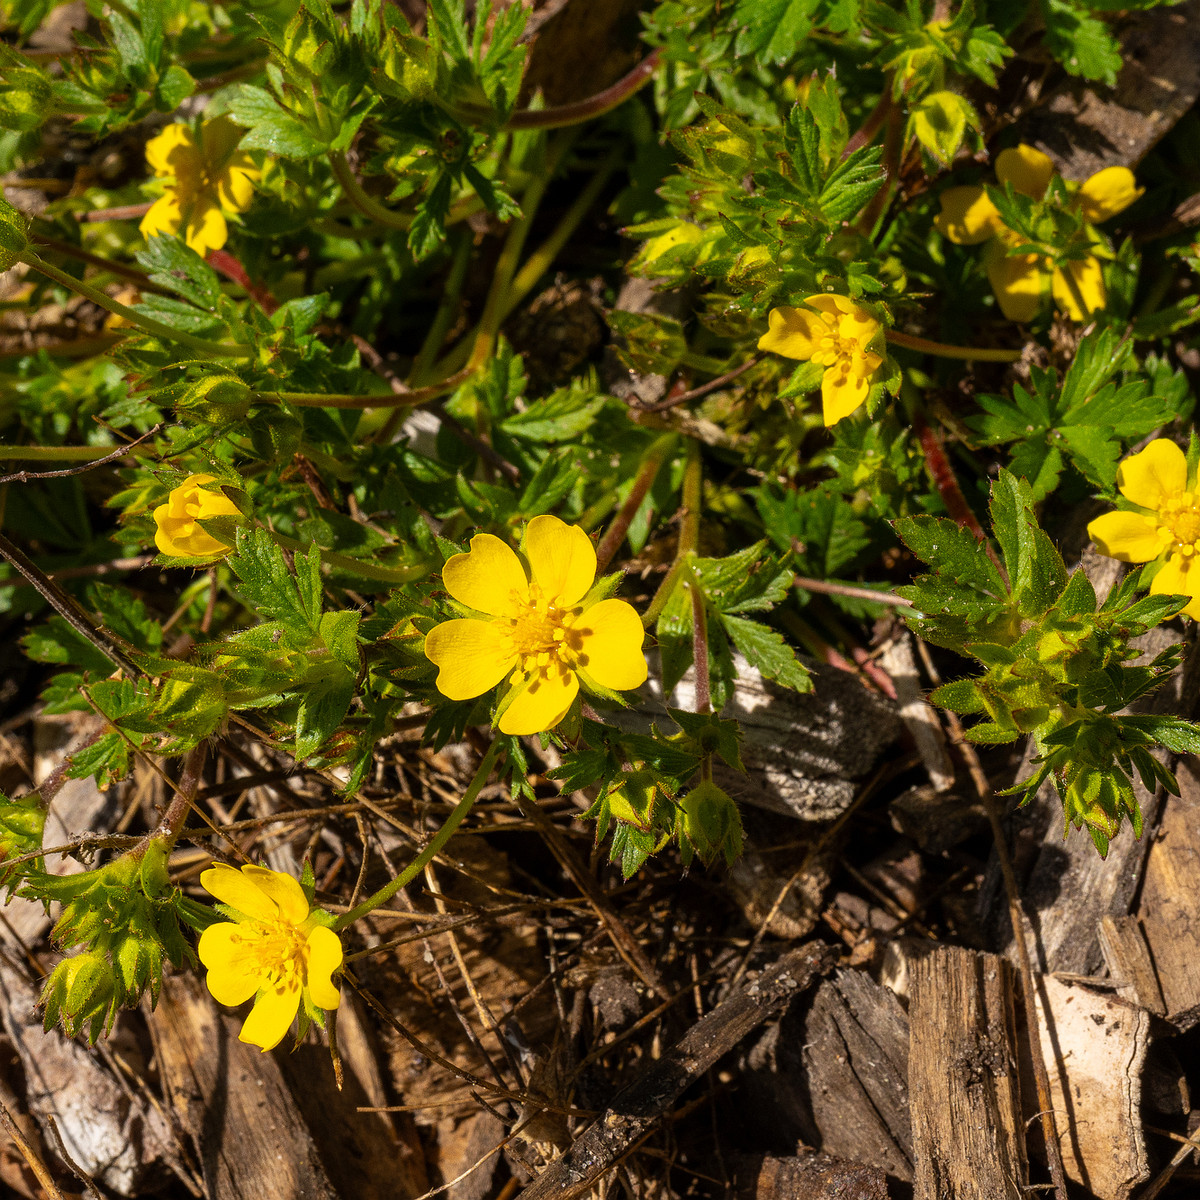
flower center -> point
(277, 949)
(1181, 517)
(542, 633)
(833, 348)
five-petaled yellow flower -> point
(178, 531)
(207, 176)
(836, 334)
(274, 949)
(534, 628)
(1021, 281)
(1156, 480)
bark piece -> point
(635, 1109)
(1169, 908)
(1094, 1046)
(809, 1177)
(118, 1139)
(1129, 961)
(1084, 130)
(251, 1140)
(968, 1134)
(836, 1075)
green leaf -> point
(766, 650)
(270, 127)
(955, 552)
(1080, 41)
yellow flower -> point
(1021, 281)
(535, 628)
(179, 533)
(834, 333)
(1156, 480)
(206, 179)
(274, 949)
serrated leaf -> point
(766, 650)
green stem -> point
(447, 309)
(439, 839)
(55, 453)
(149, 324)
(942, 350)
(378, 400)
(357, 566)
(689, 534)
(364, 203)
(538, 263)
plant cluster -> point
(293, 374)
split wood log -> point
(635, 1109)
(845, 1074)
(809, 1177)
(1129, 963)
(968, 1134)
(251, 1140)
(1087, 129)
(1094, 1046)
(1169, 909)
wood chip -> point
(968, 1135)
(809, 1177)
(1129, 963)
(1169, 909)
(251, 1141)
(1094, 1046)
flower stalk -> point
(658, 453)
(942, 350)
(434, 846)
(149, 324)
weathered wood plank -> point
(251, 1141)
(968, 1133)
(1128, 958)
(1169, 908)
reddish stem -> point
(232, 268)
(593, 106)
(946, 483)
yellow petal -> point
(1019, 282)
(271, 1016)
(542, 703)
(324, 957)
(471, 656)
(1127, 536)
(842, 391)
(283, 889)
(968, 217)
(214, 504)
(1107, 193)
(218, 140)
(1179, 576)
(1027, 169)
(792, 332)
(489, 578)
(562, 560)
(1089, 280)
(233, 976)
(612, 636)
(1153, 475)
(235, 188)
(206, 228)
(236, 889)
(186, 540)
(163, 216)
(170, 149)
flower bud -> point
(179, 533)
(25, 94)
(80, 992)
(709, 824)
(217, 399)
(14, 236)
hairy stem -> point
(652, 462)
(149, 324)
(942, 350)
